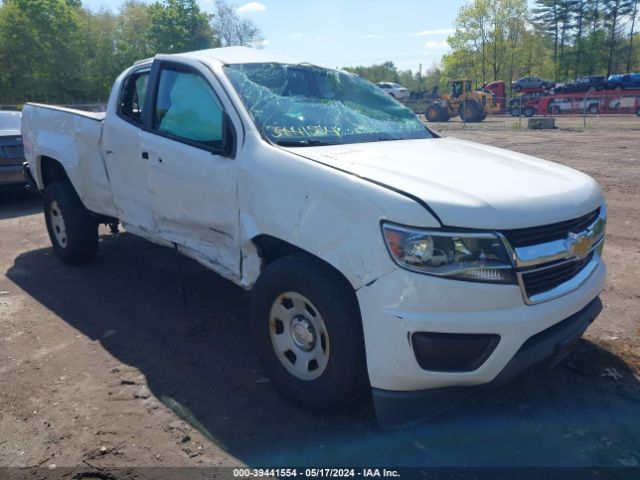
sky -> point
(340, 33)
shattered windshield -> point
(300, 105)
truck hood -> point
(468, 184)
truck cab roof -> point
(230, 55)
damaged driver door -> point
(192, 176)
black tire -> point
(529, 112)
(593, 108)
(518, 88)
(344, 379)
(515, 112)
(470, 111)
(77, 243)
(433, 113)
(543, 86)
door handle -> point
(145, 155)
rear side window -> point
(133, 95)
(188, 109)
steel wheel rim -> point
(299, 336)
(57, 224)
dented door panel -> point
(194, 202)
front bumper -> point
(402, 303)
(545, 349)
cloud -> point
(368, 35)
(423, 33)
(296, 35)
(264, 43)
(251, 7)
(435, 45)
(437, 31)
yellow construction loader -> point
(471, 105)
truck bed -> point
(73, 138)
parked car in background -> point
(622, 82)
(532, 83)
(526, 105)
(622, 102)
(394, 89)
(11, 151)
(566, 105)
(583, 84)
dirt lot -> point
(103, 366)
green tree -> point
(487, 40)
(180, 26)
(383, 72)
(133, 40)
(41, 50)
(101, 64)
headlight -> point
(477, 257)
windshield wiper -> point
(307, 142)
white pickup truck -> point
(381, 257)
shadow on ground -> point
(199, 361)
(19, 202)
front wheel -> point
(72, 229)
(308, 333)
(433, 113)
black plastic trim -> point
(453, 352)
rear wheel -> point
(308, 332)
(543, 86)
(593, 109)
(470, 111)
(518, 88)
(529, 112)
(72, 229)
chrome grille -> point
(544, 279)
(522, 237)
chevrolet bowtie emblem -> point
(578, 244)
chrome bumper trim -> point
(574, 247)
(569, 286)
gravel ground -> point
(103, 366)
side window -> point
(188, 109)
(132, 96)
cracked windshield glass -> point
(300, 105)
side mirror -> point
(229, 139)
